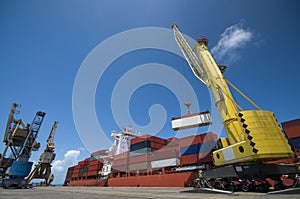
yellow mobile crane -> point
(253, 136)
(43, 169)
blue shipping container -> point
(142, 151)
(140, 145)
(207, 146)
(190, 149)
(295, 142)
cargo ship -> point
(148, 161)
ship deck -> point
(121, 193)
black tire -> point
(246, 188)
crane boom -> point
(190, 56)
(252, 135)
(50, 144)
(10, 121)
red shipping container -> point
(69, 176)
(197, 139)
(92, 173)
(120, 162)
(139, 158)
(189, 159)
(292, 128)
(94, 167)
(121, 168)
(70, 170)
(74, 175)
(291, 123)
(140, 166)
(172, 142)
(292, 132)
(76, 170)
(209, 137)
(150, 138)
(83, 174)
(167, 148)
(205, 158)
(190, 140)
(81, 163)
(156, 146)
(137, 140)
(95, 162)
(121, 156)
(165, 154)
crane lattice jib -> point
(190, 56)
(32, 135)
(50, 144)
(11, 122)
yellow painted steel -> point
(264, 140)
(224, 142)
(253, 135)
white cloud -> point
(60, 166)
(232, 39)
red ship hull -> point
(183, 179)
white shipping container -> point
(194, 120)
(165, 163)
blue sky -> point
(44, 43)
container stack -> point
(292, 130)
(195, 150)
(145, 145)
(94, 167)
(83, 168)
(75, 172)
(166, 157)
(139, 163)
(189, 149)
(69, 175)
(140, 151)
(86, 169)
(120, 163)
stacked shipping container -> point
(94, 168)
(83, 168)
(195, 150)
(120, 163)
(69, 175)
(140, 151)
(148, 155)
(86, 169)
(292, 130)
